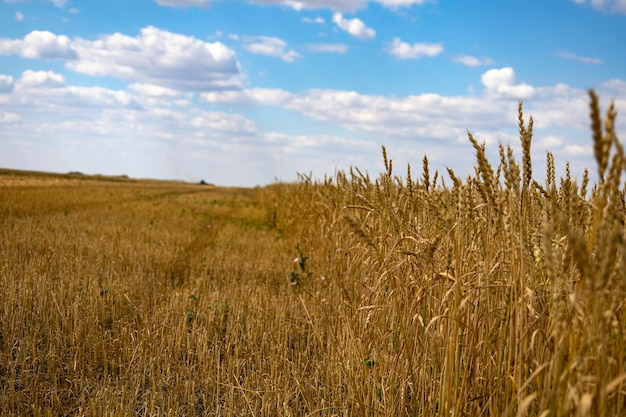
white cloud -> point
(568, 111)
(270, 46)
(160, 57)
(426, 115)
(317, 20)
(183, 3)
(551, 141)
(472, 61)
(558, 90)
(222, 122)
(42, 79)
(39, 44)
(155, 56)
(350, 5)
(578, 150)
(57, 3)
(354, 27)
(7, 83)
(341, 5)
(19, 17)
(336, 5)
(142, 108)
(618, 87)
(611, 6)
(153, 90)
(583, 59)
(7, 117)
(394, 4)
(335, 48)
(307, 144)
(46, 92)
(265, 96)
(403, 50)
(501, 82)
(433, 116)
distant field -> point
(396, 295)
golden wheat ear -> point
(526, 135)
(601, 142)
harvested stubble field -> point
(491, 296)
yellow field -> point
(490, 296)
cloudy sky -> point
(253, 91)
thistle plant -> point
(300, 274)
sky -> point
(246, 93)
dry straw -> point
(351, 296)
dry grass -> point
(496, 296)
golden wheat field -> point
(397, 295)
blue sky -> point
(247, 92)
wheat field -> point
(398, 295)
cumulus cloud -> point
(403, 50)
(47, 93)
(39, 45)
(19, 17)
(394, 4)
(574, 57)
(160, 57)
(264, 96)
(432, 116)
(354, 27)
(611, 6)
(344, 5)
(501, 82)
(153, 90)
(270, 46)
(472, 61)
(7, 83)
(155, 56)
(429, 115)
(334, 48)
(311, 144)
(48, 79)
(552, 141)
(223, 122)
(298, 5)
(341, 5)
